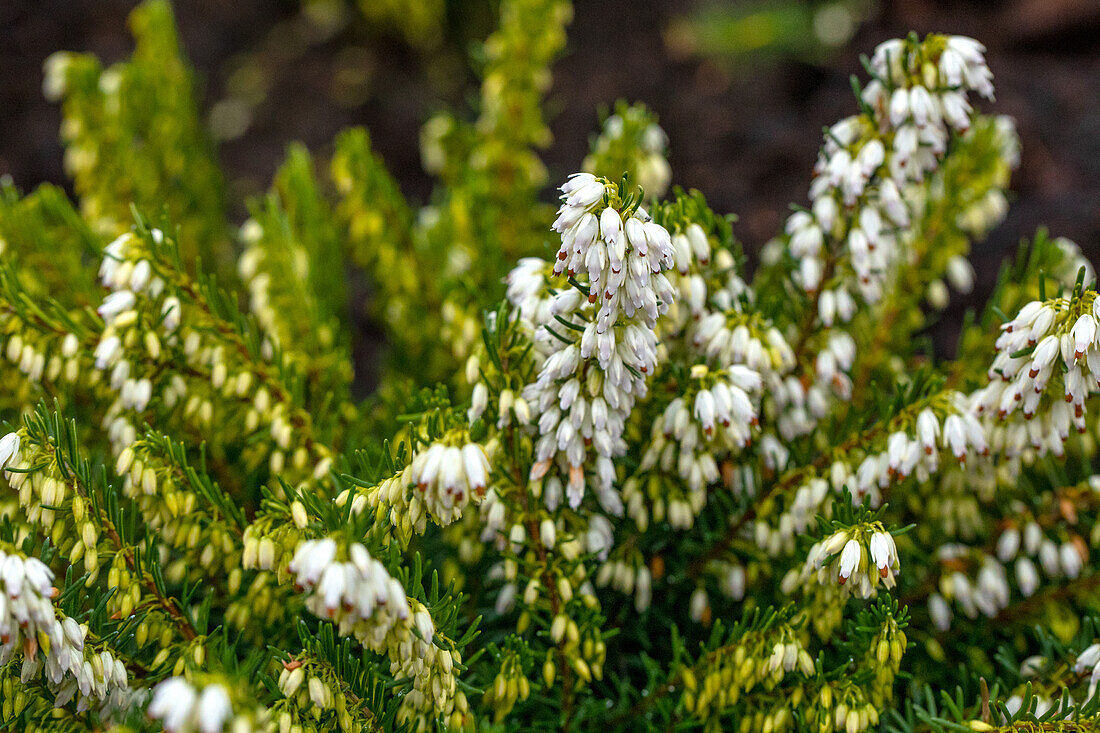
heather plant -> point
(615, 474)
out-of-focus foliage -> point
(133, 138)
(754, 32)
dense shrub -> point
(615, 476)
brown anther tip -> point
(292, 665)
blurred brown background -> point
(742, 88)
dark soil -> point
(747, 138)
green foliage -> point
(133, 138)
(620, 486)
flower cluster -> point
(712, 420)
(366, 602)
(858, 558)
(55, 645)
(183, 709)
(586, 389)
(723, 413)
(978, 582)
(917, 99)
(871, 176)
(449, 477)
(620, 248)
(440, 482)
(530, 293)
(27, 610)
(945, 424)
(1049, 349)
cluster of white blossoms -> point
(922, 90)
(802, 405)
(949, 427)
(916, 101)
(362, 585)
(440, 482)
(713, 319)
(691, 246)
(30, 625)
(366, 602)
(127, 280)
(74, 671)
(867, 182)
(1057, 559)
(181, 708)
(449, 477)
(988, 593)
(858, 558)
(710, 421)
(725, 338)
(1025, 551)
(1049, 348)
(25, 608)
(587, 387)
(623, 253)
